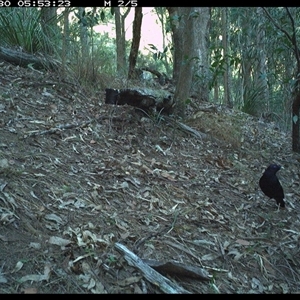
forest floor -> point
(78, 178)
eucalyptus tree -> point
(120, 16)
(253, 61)
(226, 53)
(220, 57)
(287, 25)
(136, 37)
(238, 60)
(189, 27)
(49, 26)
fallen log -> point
(143, 98)
(24, 59)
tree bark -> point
(49, 26)
(261, 78)
(295, 126)
(84, 38)
(200, 17)
(226, 76)
(177, 33)
(247, 65)
(137, 24)
(189, 27)
(120, 40)
(184, 80)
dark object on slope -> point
(271, 186)
(143, 98)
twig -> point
(60, 127)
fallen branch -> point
(166, 285)
(190, 130)
(59, 128)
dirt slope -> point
(77, 176)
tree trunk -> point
(190, 53)
(295, 126)
(247, 64)
(137, 24)
(185, 74)
(177, 33)
(226, 76)
(84, 38)
(200, 17)
(120, 40)
(49, 26)
(261, 79)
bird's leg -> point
(278, 207)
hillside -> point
(78, 176)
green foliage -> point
(219, 63)
(21, 27)
(91, 67)
(152, 61)
(251, 103)
(89, 18)
(261, 60)
(100, 61)
(111, 259)
(158, 55)
(246, 52)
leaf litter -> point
(79, 178)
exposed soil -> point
(77, 176)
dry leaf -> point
(54, 217)
(168, 176)
(30, 290)
(55, 240)
(38, 277)
(242, 242)
(17, 267)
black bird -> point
(271, 186)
